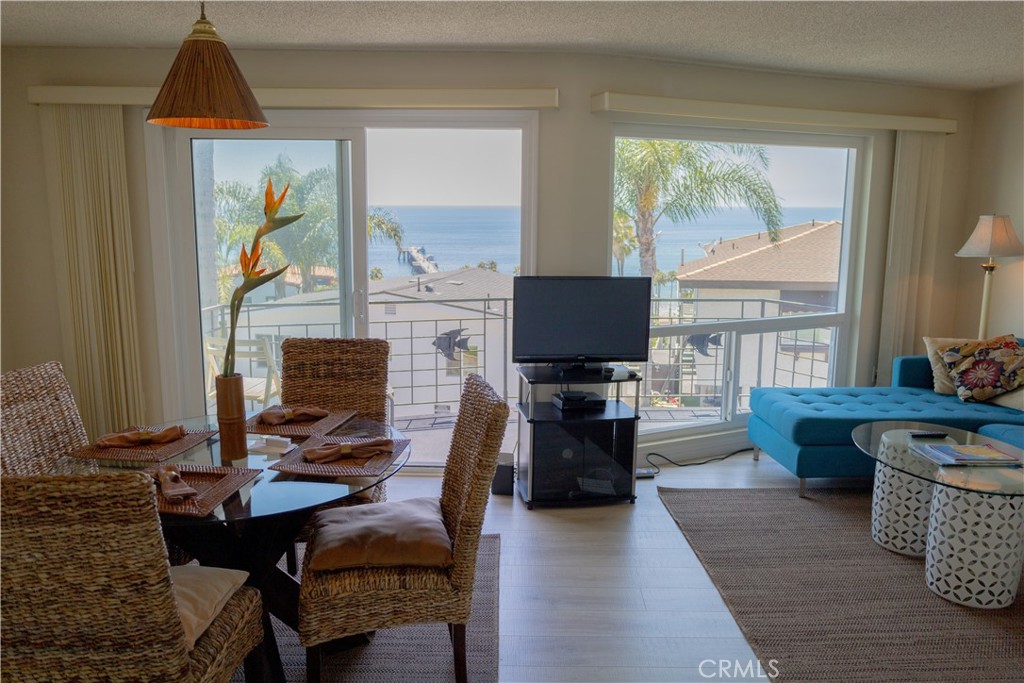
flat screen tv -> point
(575, 321)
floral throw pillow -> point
(986, 368)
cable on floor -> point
(657, 470)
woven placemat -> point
(126, 457)
(324, 425)
(295, 463)
(213, 485)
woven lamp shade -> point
(205, 88)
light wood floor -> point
(611, 592)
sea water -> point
(458, 236)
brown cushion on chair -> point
(401, 533)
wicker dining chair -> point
(87, 590)
(337, 374)
(40, 423)
(40, 420)
(337, 603)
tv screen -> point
(578, 320)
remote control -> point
(927, 435)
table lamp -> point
(993, 236)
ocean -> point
(458, 236)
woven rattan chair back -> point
(87, 592)
(468, 474)
(39, 420)
(336, 374)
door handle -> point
(359, 304)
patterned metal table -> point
(967, 521)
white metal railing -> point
(680, 384)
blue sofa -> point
(808, 431)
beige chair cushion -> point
(940, 373)
(201, 593)
(401, 533)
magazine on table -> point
(983, 454)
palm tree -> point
(662, 278)
(381, 225)
(623, 240)
(316, 193)
(236, 216)
(686, 180)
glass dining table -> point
(253, 527)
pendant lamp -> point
(205, 88)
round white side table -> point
(975, 547)
(900, 504)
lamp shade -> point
(205, 88)
(993, 236)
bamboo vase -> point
(231, 418)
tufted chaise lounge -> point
(808, 430)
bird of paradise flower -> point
(252, 275)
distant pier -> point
(419, 259)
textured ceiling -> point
(962, 45)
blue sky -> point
(482, 167)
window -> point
(746, 237)
(448, 222)
(445, 229)
(229, 178)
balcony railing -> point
(697, 347)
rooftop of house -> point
(465, 283)
(806, 256)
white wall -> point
(574, 163)
(995, 185)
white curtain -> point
(913, 222)
(87, 187)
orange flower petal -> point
(270, 205)
(268, 200)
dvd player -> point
(578, 400)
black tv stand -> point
(576, 456)
(579, 372)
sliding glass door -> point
(415, 224)
(313, 297)
(445, 226)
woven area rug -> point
(811, 590)
(421, 653)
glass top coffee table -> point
(890, 443)
(967, 521)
